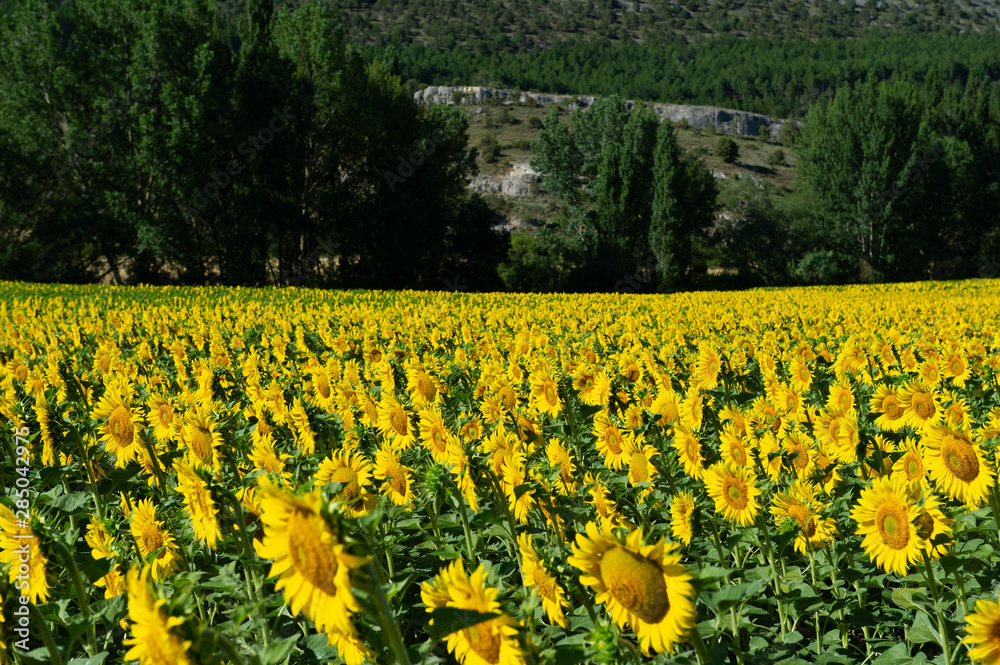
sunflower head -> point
(643, 586)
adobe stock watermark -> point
(22, 492)
(300, 274)
(639, 279)
(407, 167)
(249, 149)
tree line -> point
(778, 77)
(140, 143)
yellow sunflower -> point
(312, 563)
(983, 628)
(13, 536)
(609, 440)
(689, 451)
(958, 465)
(922, 407)
(799, 508)
(162, 415)
(886, 518)
(153, 641)
(122, 423)
(203, 439)
(561, 459)
(151, 537)
(639, 455)
(644, 586)
(397, 479)
(911, 465)
(536, 577)
(199, 504)
(394, 423)
(434, 434)
(352, 469)
(545, 392)
(265, 458)
(931, 523)
(491, 642)
(423, 387)
(682, 517)
(889, 405)
(735, 492)
(607, 511)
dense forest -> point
(139, 145)
(781, 78)
(249, 143)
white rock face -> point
(740, 123)
(519, 182)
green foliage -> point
(776, 157)
(489, 148)
(891, 170)
(622, 174)
(727, 150)
(777, 77)
(143, 143)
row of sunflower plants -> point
(279, 476)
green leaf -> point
(71, 503)
(447, 620)
(922, 631)
(909, 599)
(96, 659)
(277, 652)
(734, 595)
(897, 655)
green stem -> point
(88, 465)
(819, 633)
(464, 515)
(386, 619)
(718, 543)
(43, 625)
(227, 645)
(699, 646)
(81, 593)
(155, 461)
(932, 583)
(769, 551)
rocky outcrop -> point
(729, 121)
(521, 181)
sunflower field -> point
(262, 477)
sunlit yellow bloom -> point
(199, 504)
(642, 586)
(310, 559)
(689, 451)
(735, 492)
(609, 440)
(203, 439)
(13, 536)
(355, 472)
(800, 509)
(682, 517)
(537, 577)
(958, 465)
(122, 423)
(394, 423)
(150, 535)
(887, 519)
(397, 480)
(153, 640)
(491, 642)
(983, 628)
(545, 393)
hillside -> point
(519, 25)
(511, 121)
